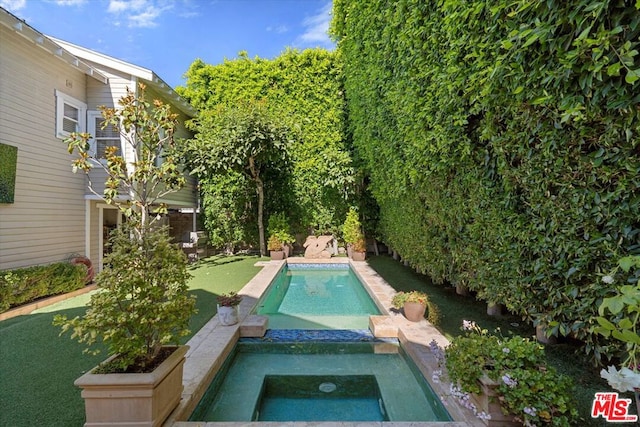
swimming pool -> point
(286, 380)
(316, 296)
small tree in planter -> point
(143, 301)
(352, 235)
(279, 236)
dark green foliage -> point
(247, 138)
(8, 163)
(501, 140)
(24, 285)
(228, 213)
(305, 89)
(143, 301)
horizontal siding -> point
(46, 222)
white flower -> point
(607, 279)
(468, 325)
(506, 350)
(623, 380)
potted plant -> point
(228, 308)
(507, 379)
(276, 250)
(353, 237)
(279, 228)
(142, 304)
(414, 305)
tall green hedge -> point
(306, 88)
(501, 139)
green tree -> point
(143, 301)
(229, 217)
(307, 87)
(247, 138)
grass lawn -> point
(37, 367)
(455, 308)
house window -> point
(70, 115)
(102, 137)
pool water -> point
(320, 397)
(321, 296)
(319, 381)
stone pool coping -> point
(210, 346)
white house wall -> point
(46, 223)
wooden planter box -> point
(488, 402)
(144, 400)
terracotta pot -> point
(144, 400)
(87, 263)
(276, 255)
(358, 256)
(414, 311)
(227, 316)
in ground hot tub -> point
(332, 376)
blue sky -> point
(166, 36)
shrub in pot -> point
(353, 237)
(276, 250)
(228, 308)
(278, 227)
(142, 303)
(509, 377)
(415, 304)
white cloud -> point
(13, 5)
(316, 27)
(280, 29)
(140, 13)
(69, 2)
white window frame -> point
(62, 99)
(91, 129)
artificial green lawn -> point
(456, 308)
(37, 367)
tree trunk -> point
(260, 189)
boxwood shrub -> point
(23, 285)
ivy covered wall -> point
(501, 140)
(306, 89)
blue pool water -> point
(317, 296)
(279, 379)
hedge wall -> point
(501, 140)
(306, 87)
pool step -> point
(254, 326)
(383, 327)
